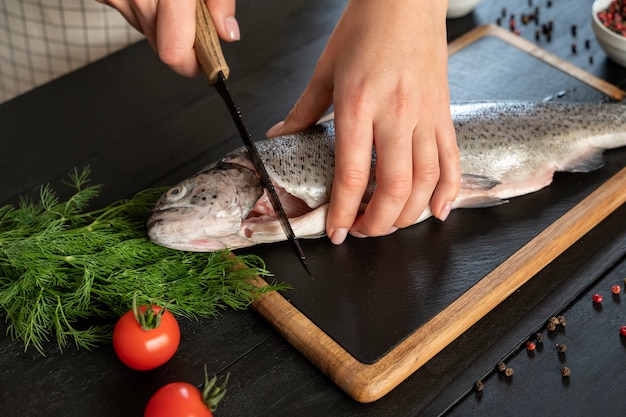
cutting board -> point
(375, 310)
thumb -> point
(223, 14)
(312, 104)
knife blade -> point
(214, 66)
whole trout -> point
(507, 149)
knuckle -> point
(452, 153)
(172, 57)
(396, 188)
(400, 102)
(428, 173)
(352, 180)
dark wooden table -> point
(137, 124)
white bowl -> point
(613, 44)
(460, 8)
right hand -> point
(170, 27)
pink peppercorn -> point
(622, 331)
(616, 289)
(613, 17)
(597, 298)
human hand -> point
(170, 27)
(385, 69)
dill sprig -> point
(65, 272)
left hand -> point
(385, 68)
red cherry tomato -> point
(178, 399)
(146, 349)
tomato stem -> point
(148, 317)
(212, 394)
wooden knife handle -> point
(207, 45)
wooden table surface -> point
(110, 115)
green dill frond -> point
(66, 273)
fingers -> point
(403, 190)
(223, 14)
(410, 175)
(449, 183)
(169, 27)
(175, 35)
(176, 31)
(417, 164)
(353, 156)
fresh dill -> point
(66, 272)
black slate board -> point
(360, 290)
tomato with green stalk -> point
(181, 399)
(146, 337)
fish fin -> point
(585, 163)
(478, 182)
(477, 192)
(481, 202)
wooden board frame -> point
(369, 382)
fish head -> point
(205, 212)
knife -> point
(214, 67)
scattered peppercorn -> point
(573, 29)
(479, 386)
(616, 289)
(508, 372)
(622, 331)
(562, 320)
(565, 371)
(587, 44)
(530, 346)
(549, 4)
(501, 366)
(552, 323)
(591, 59)
(561, 347)
(539, 337)
(574, 48)
(546, 29)
(597, 298)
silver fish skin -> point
(507, 149)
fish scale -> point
(507, 149)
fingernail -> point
(275, 130)
(357, 234)
(232, 28)
(339, 236)
(390, 231)
(445, 211)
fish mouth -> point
(152, 221)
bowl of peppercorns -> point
(460, 8)
(609, 25)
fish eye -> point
(176, 193)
